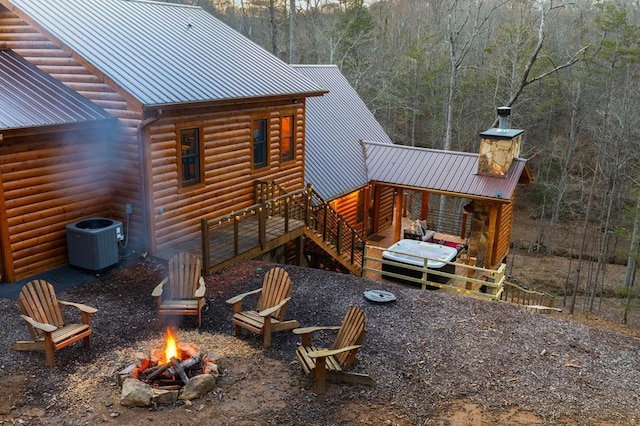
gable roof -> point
(164, 53)
(444, 172)
(31, 98)
(335, 125)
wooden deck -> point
(247, 244)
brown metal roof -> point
(31, 98)
(165, 53)
(438, 171)
(335, 125)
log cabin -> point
(181, 128)
(186, 115)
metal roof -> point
(441, 171)
(164, 53)
(31, 98)
(335, 125)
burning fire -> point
(171, 346)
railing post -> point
(307, 207)
(425, 275)
(206, 249)
(236, 235)
(287, 205)
(364, 261)
(324, 222)
(262, 225)
(353, 246)
(339, 236)
(499, 278)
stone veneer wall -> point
(496, 155)
(479, 229)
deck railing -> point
(324, 221)
(513, 293)
(489, 282)
(268, 223)
(252, 228)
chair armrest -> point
(200, 291)
(83, 308)
(309, 330)
(269, 311)
(48, 328)
(157, 292)
(238, 298)
(330, 352)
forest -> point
(434, 72)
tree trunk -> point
(292, 32)
(632, 259)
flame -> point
(171, 346)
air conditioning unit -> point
(93, 243)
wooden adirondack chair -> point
(182, 291)
(268, 317)
(331, 364)
(41, 311)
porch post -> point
(397, 231)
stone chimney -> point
(499, 146)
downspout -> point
(145, 178)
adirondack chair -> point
(331, 364)
(268, 317)
(44, 319)
(182, 291)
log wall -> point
(228, 173)
(123, 173)
(503, 234)
(347, 207)
(48, 181)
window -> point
(190, 156)
(259, 143)
(286, 138)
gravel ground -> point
(427, 352)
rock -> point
(161, 396)
(135, 393)
(198, 386)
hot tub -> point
(413, 252)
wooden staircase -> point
(532, 300)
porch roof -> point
(445, 172)
(31, 98)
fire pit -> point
(178, 371)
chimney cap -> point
(504, 111)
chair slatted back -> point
(184, 273)
(276, 286)
(38, 300)
(351, 333)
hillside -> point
(436, 359)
